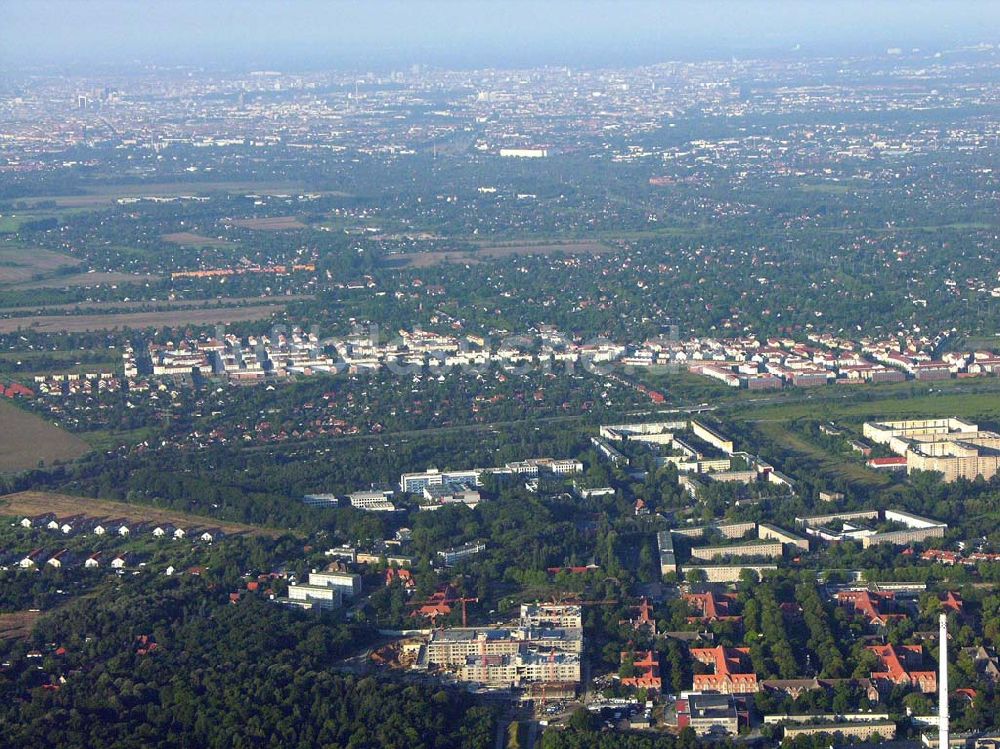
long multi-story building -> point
(456, 554)
(771, 549)
(953, 447)
(544, 648)
(518, 670)
(371, 501)
(450, 647)
(665, 544)
(841, 729)
(414, 483)
(863, 526)
(325, 590)
(728, 573)
(348, 583)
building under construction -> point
(536, 651)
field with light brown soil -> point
(63, 505)
(26, 439)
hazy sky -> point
(387, 33)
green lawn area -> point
(104, 440)
(969, 398)
(48, 362)
(988, 342)
(828, 463)
(11, 221)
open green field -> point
(968, 398)
(105, 439)
(830, 464)
(23, 264)
(22, 365)
(155, 306)
(98, 195)
(988, 342)
(37, 210)
(137, 320)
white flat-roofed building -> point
(321, 500)
(347, 583)
(456, 554)
(524, 153)
(318, 596)
(534, 466)
(449, 494)
(371, 501)
(414, 483)
(566, 615)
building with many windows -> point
(953, 447)
(456, 554)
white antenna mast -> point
(943, 683)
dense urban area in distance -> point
(555, 407)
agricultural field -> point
(493, 250)
(17, 625)
(273, 223)
(543, 248)
(90, 278)
(25, 439)
(38, 503)
(107, 194)
(138, 320)
(23, 264)
(194, 240)
(159, 304)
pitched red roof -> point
(732, 670)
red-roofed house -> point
(647, 671)
(895, 463)
(713, 608)
(944, 557)
(899, 666)
(952, 602)
(644, 620)
(732, 671)
(869, 605)
(404, 576)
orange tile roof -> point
(713, 608)
(650, 677)
(731, 675)
(897, 663)
(869, 605)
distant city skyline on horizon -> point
(305, 34)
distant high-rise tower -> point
(943, 683)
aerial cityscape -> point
(492, 376)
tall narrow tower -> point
(943, 683)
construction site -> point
(538, 655)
